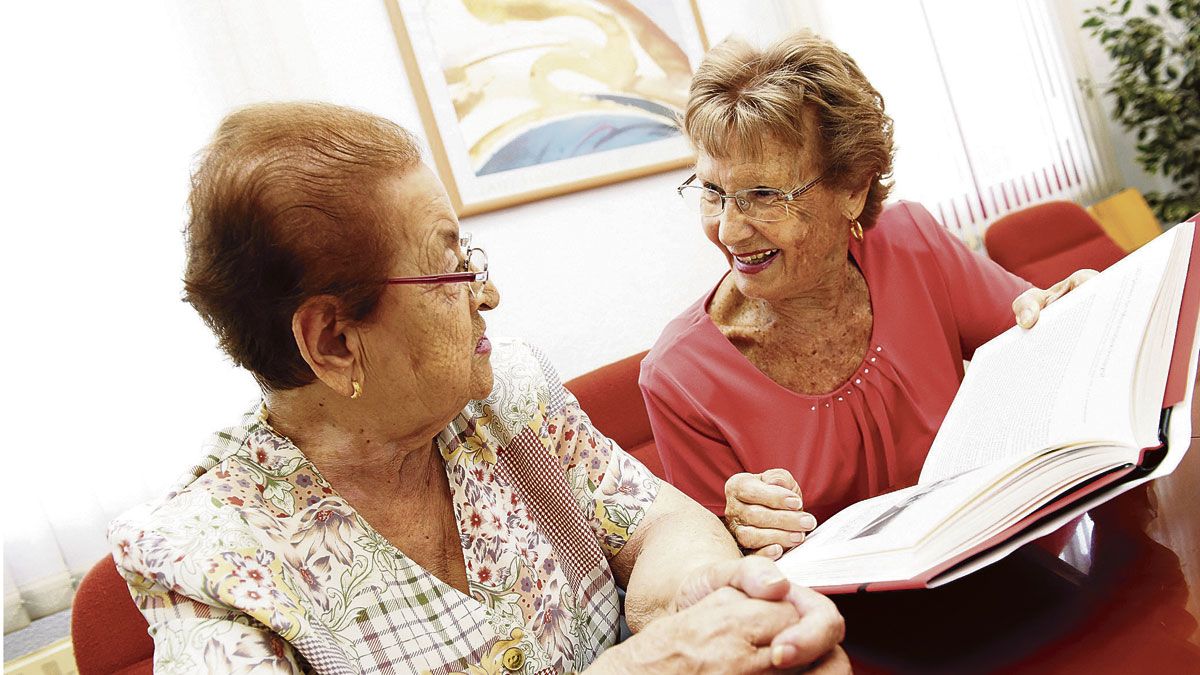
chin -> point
(482, 381)
(753, 287)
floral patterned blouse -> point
(255, 564)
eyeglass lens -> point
(760, 204)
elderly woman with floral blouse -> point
(408, 496)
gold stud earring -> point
(856, 230)
(357, 390)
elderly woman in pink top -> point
(819, 368)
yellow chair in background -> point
(1127, 218)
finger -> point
(819, 629)
(791, 521)
(835, 662)
(781, 477)
(753, 491)
(748, 536)
(759, 621)
(755, 576)
(1028, 306)
(772, 552)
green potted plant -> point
(1155, 85)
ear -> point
(854, 200)
(328, 344)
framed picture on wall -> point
(525, 100)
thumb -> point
(755, 576)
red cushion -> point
(108, 632)
(611, 398)
(1046, 242)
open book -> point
(1049, 422)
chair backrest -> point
(611, 398)
(108, 632)
(1046, 242)
(1127, 218)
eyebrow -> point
(718, 188)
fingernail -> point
(782, 655)
(807, 520)
(1025, 317)
(792, 503)
(796, 537)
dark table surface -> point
(1116, 591)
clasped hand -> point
(739, 616)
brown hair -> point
(281, 209)
(741, 95)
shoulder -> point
(680, 348)
(219, 506)
(905, 227)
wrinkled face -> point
(778, 260)
(425, 343)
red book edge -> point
(1174, 392)
(1185, 333)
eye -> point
(763, 195)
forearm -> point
(677, 537)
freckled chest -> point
(812, 358)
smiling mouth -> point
(757, 258)
(753, 263)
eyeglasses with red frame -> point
(474, 270)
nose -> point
(733, 227)
(489, 298)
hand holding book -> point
(764, 512)
(1028, 305)
(1047, 423)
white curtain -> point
(989, 116)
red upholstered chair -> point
(108, 632)
(611, 398)
(1046, 242)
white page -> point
(1066, 380)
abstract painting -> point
(524, 99)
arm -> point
(190, 636)
(676, 538)
(687, 584)
(681, 566)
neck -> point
(815, 306)
(347, 442)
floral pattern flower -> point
(255, 560)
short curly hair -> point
(741, 95)
(282, 208)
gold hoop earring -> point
(856, 230)
(357, 390)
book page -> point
(1066, 380)
(894, 520)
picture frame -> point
(523, 101)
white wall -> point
(591, 277)
(112, 380)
